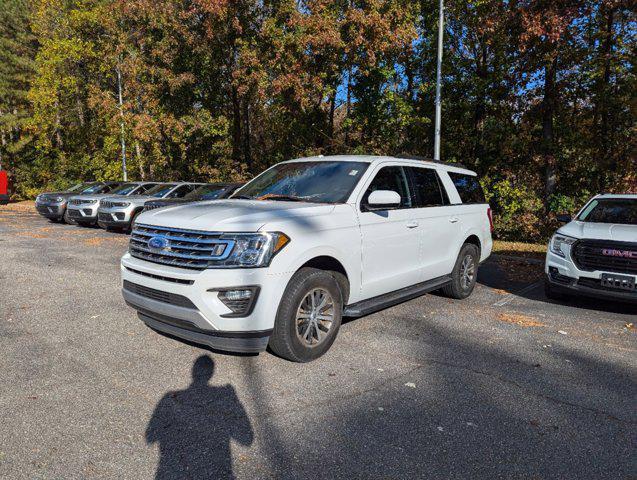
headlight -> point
(121, 204)
(558, 242)
(91, 202)
(250, 250)
(59, 199)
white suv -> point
(596, 253)
(303, 244)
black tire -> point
(129, 228)
(285, 340)
(67, 219)
(459, 288)
(550, 292)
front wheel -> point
(309, 316)
(67, 218)
(464, 274)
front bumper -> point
(190, 307)
(565, 277)
(51, 210)
(83, 213)
(115, 217)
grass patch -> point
(519, 249)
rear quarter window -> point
(468, 188)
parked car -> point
(595, 254)
(210, 191)
(83, 208)
(302, 245)
(119, 213)
(4, 188)
(52, 205)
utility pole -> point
(121, 114)
(441, 29)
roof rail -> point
(427, 159)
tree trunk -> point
(607, 47)
(247, 154)
(236, 126)
(140, 163)
(548, 141)
(330, 127)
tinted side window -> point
(428, 191)
(468, 188)
(181, 191)
(391, 178)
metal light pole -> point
(121, 113)
(441, 29)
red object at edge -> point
(4, 196)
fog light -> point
(240, 300)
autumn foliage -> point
(538, 96)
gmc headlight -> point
(558, 242)
(249, 250)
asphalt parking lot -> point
(502, 385)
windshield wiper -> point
(274, 196)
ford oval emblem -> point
(159, 243)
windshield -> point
(160, 190)
(93, 188)
(125, 189)
(207, 192)
(319, 182)
(611, 210)
(78, 187)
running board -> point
(365, 307)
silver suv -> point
(120, 213)
(83, 208)
(52, 205)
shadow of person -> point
(194, 427)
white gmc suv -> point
(303, 244)
(596, 253)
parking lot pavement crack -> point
(532, 392)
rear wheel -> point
(309, 316)
(464, 274)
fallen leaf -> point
(410, 385)
(519, 319)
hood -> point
(97, 196)
(600, 231)
(171, 201)
(230, 215)
(57, 194)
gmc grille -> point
(605, 255)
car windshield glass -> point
(93, 188)
(78, 187)
(611, 210)
(311, 181)
(160, 190)
(125, 189)
(207, 192)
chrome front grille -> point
(152, 206)
(111, 204)
(180, 248)
(79, 201)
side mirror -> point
(564, 218)
(383, 200)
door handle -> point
(454, 219)
(412, 224)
